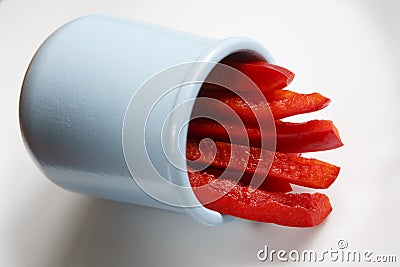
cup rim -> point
(215, 54)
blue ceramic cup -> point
(83, 108)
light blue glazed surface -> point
(78, 88)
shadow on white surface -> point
(99, 233)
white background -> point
(348, 50)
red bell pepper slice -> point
(295, 210)
(311, 136)
(301, 171)
(287, 104)
(265, 75)
(293, 103)
(269, 184)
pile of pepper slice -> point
(272, 201)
